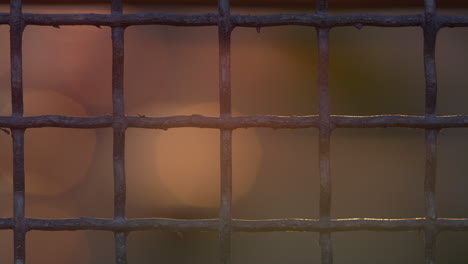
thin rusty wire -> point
(316, 20)
(325, 128)
(120, 238)
(430, 29)
(431, 225)
(240, 225)
(275, 122)
(16, 38)
(225, 212)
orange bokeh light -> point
(55, 159)
(45, 246)
(187, 160)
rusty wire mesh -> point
(431, 225)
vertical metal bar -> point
(224, 37)
(119, 127)
(16, 53)
(119, 112)
(430, 34)
(16, 39)
(18, 194)
(324, 134)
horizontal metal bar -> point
(270, 3)
(274, 122)
(212, 20)
(321, 20)
(383, 121)
(55, 121)
(451, 21)
(270, 225)
(121, 20)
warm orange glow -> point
(73, 60)
(186, 160)
(57, 247)
(48, 247)
(55, 159)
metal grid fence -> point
(431, 225)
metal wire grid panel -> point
(431, 225)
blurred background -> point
(376, 173)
